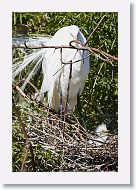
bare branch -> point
(90, 49)
(95, 28)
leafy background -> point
(101, 103)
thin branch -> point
(97, 75)
(26, 149)
(68, 88)
(21, 92)
(28, 145)
(95, 50)
(90, 49)
(95, 29)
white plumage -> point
(55, 78)
(101, 133)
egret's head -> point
(70, 30)
(73, 30)
(66, 34)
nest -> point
(50, 144)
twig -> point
(21, 92)
(95, 29)
(61, 124)
(111, 57)
(97, 75)
(27, 143)
(79, 165)
(68, 87)
(26, 148)
(90, 49)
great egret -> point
(101, 133)
(56, 77)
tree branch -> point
(90, 49)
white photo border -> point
(123, 174)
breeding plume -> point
(56, 68)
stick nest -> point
(54, 145)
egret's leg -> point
(81, 118)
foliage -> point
(99, 104)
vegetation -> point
(100, 97)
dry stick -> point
(68, 88)
(94, 106)
(26, 148)
(62, 124)
(95, 50)
(90, 49)
(61, 100)
(74, 162)
(69, 62)
(27, 143)
(95, 29)
(62, 112)
(99, 72)
(85, 133)
(47, 134)
(21, 92)
(97, 76)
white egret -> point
(55, 74)
(52, 63)
(101, 133)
